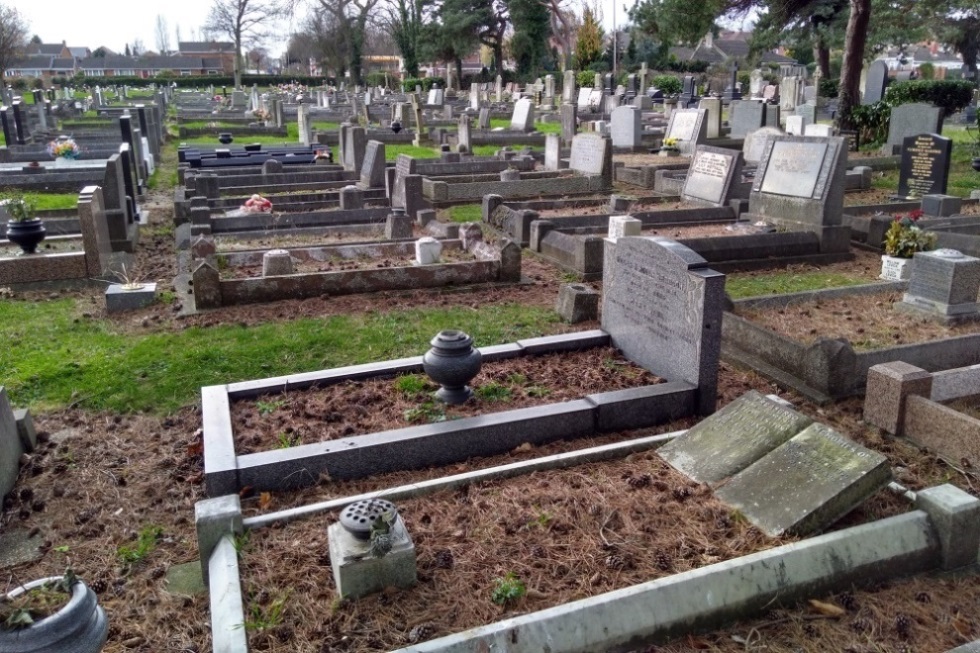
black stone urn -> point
(396, 126)
(452, 362)
(225, 138)
(26, 233)
(976, 163)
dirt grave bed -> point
(285, 239)
(371, 406)
(339, 264)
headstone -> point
(807, 484)
(568, 87)
(911, 119)
(795, 125)
(569, 123)
(626, 127)
(944, 283)
(876, 82)
(925, 163)
(788, 93)
(687, 126)
(523, 118)
(662, 306)
(6, 119)
(355, 142)
(552, 152)
(427, 251)
(436, 97)
(373, 168)
(499, 88)
(736, 436)
(745, 116)
(689, 94)
(712, 119)
(592, 155)
(475, 96)
(303, 122)
(404, 166)
(11, 447)
(463, 138)
(756, 83)
(484, 120)
(772, 116)
(820, 131)
(711, 175)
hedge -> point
(426, 83)
(951, 96)
(202, 81)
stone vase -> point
(27, 234)
(894, 268)
(79, 627)
(976, 163)
(452, 362)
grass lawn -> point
(466, 213)
(55, 356)
(542, 127)
(50, 201)
(739, 286)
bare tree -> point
(177, 34)
(354, 15)
(13, 37)
(163, 35)
(244, 22)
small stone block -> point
(888, 386)
(425, 216)
(25, 429)
(277, 262)
(203, 247)
(621, 226)
(941, 206)
(577, 303)
(214, 519)
(357, 573)
(118, 298)
(427, 251)
(956, 517)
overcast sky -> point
(114, 23)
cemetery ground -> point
(111, 490)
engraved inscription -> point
(793, 168)
(920, 161)
(683, 124)
(708, 174)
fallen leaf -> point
(265, 500)
(962, 626)
(524, 447)
(827, 609)
(195, 449)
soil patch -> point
(284, 239)
(338, 264)
(867, 321)
(360, 407)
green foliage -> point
(268, 407)
(829, 87)
(426, 83)
(585, 79)
(669, 84)
(951, 96)
(265, 617)
(904, 238)
(286, 440)
(412, 384)
(145, 543)
(531, 22)
(589, 45)
(927, 71)
(378, 78)
(739, 286)
(466, 213)
(427, 412)
(871, 122)
(508, 589)
(19, 206)
(493, 391)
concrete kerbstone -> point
(888, 386)
(956, 517)
(577, 303)
(215, 519)
(118, 298)
(25, 429)
(227, 614)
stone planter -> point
(79, 627)
(28, 234)
(976, 163)
(894, 268)
(452, 362)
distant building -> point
(727, 48)
(223, 51)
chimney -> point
(709, 40)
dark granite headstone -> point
(925, 165)
(20, 129)
(5, 120)
(876, 82)
(662, 306)
(909, 120)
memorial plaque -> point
(925, 165)
(523, 116)
(589, 154)
(807, 484)
(792, 168)
(733, 438)
(662, 307)
(685, 124)
(711, 174)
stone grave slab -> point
(806, 484)
(911, 119)
(712, 172)
(924, 169)
(186, 579)
(662, 306)
(373, 167)
(523, 116)
(17, 547)
(688, 126)
(736, 436)
(592, 155)
(746, 116)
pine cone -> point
(660, 485)
(847, 601)
(99, 586)
(538, 551)
(380, 545)
(861, 625)
(421, 633)
(663, 561)
(923, 597)
(681, 493)
(903, 626)
(618, 562)
(638, 482)
(444, 559)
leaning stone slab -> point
(10, 445)
(808, 483)
(733, 438)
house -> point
(44, 66)
(150, 66)
(729, 47)
(59, 50)
(213, 51)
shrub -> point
(379, 78)
(871, 122)
(585, 78)
(829, 87)
(19, 84)
(425, 82)
(927, 71)
(951, 96)
(669, 84)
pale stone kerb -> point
(227, 613)
(215, 519)
(888, 386)
(956, 517)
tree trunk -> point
(238, 61)
(850, 73)
(821, 54)
(459, 72)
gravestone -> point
(736, 436)
(523, 116)
(755, 143)
(568, 87)
(789, 93)
(11, 447)
(711, 175)
(712, 119)
(911, 119)
(662, 306)
(6, 119)
(552, 152)
(924, 169)
(821, 131)
(569, 123)
(799, 186)
(626, 128)
(689, 93)
(795, 125)
(463, 139)
(756, 83)
(772, 116)
(404, 166)
(687, 125)
(806, 484)
(373, 167)
(304, 124)
(436, 97)
(745, 116)
(484, 119)
(592, 155)
(945, 284)
(355, 142)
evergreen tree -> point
(532, 29)
(590, 36)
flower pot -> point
(26, 233)
(976, 163)
(225, 138)
(79, 627)
(452, 362)
(894, 268)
